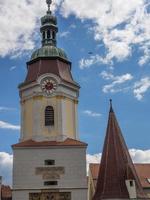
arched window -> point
(44, 35)
(49, 116)
(53, 35)
(48, 34)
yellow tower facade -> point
(49, 108)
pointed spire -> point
(116, 166)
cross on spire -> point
(49, 2)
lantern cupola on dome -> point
(49, 27)
(49, 31)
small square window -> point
(50, 183)
(131, 183)
(49, 162)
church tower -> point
(49, 160)
(49, 95)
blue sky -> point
(109, 47)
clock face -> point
(48, 85)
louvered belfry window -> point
(49, 116)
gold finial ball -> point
(48, 2)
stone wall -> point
(69, 171)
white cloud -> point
(146, 57)
(73, 26)
(120, 24)
(107, 76)
(95, 158)
(140, 156)
(64, 34)
(141, 87)
(6, 125)
(91, 113)
(114, 86)
(92, 60)
(5, 108)
(6, 161)
(18, 21)
(12, 68)
(137, 155)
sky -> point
(108, 43)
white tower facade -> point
(49, 160)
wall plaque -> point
(50, 172)
(50, 196)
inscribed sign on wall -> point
(50, 196)
(50, 172)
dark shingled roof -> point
(116, 166)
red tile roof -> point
(6, 193)
(143, 171)
(94, 169)
(32, 143)
(116, 166)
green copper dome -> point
(49, 51)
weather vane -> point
(49, 2)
